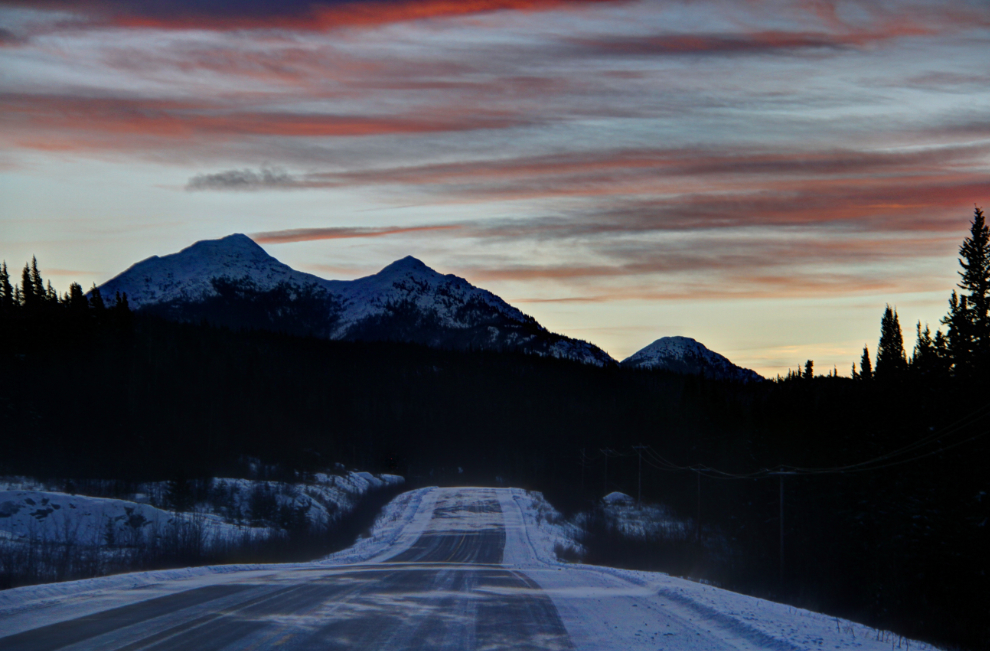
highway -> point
(447, 568)
(447, 590)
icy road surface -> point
(461, 568)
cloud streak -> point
(343, 233)
(630, 192)
(54, 122)
(286, 14)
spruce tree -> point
(968, 320)
(809, 370)
(974, 258)
(39, 285)
(959, 337)
(27, 289)
(925, 359)
(891, 360)
(76, 300)
(865, 367)
(96, 299)
(6, 290)
(942, 357)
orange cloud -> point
(311, 234)
(61, 122)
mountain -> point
(685, 355)
(234, 282)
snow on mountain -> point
(234, 282)
(188, 275)
(410, 282)
(685, 355)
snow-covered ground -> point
(601, 608)
(31, 512)
(34, 516)
(399, 525)
(641, 519)
(607, 608)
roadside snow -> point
(30, 511)
(399, 525)
(32, 516)
(606, 608)
(641, 519)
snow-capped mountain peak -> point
(189, 274)
(412, 284)
(686, 355)
(406, 265)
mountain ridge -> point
(233, 281)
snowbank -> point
(606, 608)
(398, 526)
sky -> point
(763, 176)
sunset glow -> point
(761, 176)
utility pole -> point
(582, 470)
(697, 520)
(639, 484)
(781, 474)
(605, 451)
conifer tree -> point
(37, 282)
(891, 359)
(959, 338)
(27, 289)
(809, 370)
(96, 299)
(968, 321)
(925, 359)
(865, 367)
(6, 290)
(75, 299)
(855, 375)
(974, 258)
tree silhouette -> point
(6, 290)
(968, 321)
(76, 300)
(891, 359)
(96, 299)
(865, 367)
(37, 284)
(27, 288)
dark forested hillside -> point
(901, 546)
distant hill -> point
(685, 355)
(234, 282)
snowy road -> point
(464, 568)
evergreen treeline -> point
(39, 307)
(887, 522)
